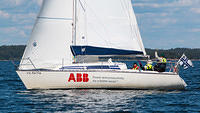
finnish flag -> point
(185, 62)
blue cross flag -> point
(185, 62)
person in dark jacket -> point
(161, 65)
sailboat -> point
(70, 36)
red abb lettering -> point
(85, 77)
(71, 77)
(79, 77)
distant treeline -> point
(176, 53)
(15, 52)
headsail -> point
(107, 27)
(50, 41)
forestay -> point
(106, 27)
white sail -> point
(81, 22)
(49, 44)
(107, 24)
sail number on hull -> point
(33, 73)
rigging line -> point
(133, 28)
(104, 40)
(86, 32)
(81, 23)
(136, 28)
(105, 30)
(99, 35)
(50, 18)
(100, 22)
(125, 10)
(107, 43)
(82, 5)
(130, 20)
(137, 32)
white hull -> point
(127, 79)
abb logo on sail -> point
(78, 78)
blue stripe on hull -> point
(91, 67)
(90, 50)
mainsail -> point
(107, 27)
(67, 28)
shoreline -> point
(113, 60)
(8, 60)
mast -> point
(74, 22)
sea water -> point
(15, 98)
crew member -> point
(161, 65)
(135, 67)
(149, 66)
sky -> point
(163, 24)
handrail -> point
(173, 68)
(29, 61)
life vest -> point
(149, 67)
(164, 60)
(136, 68)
